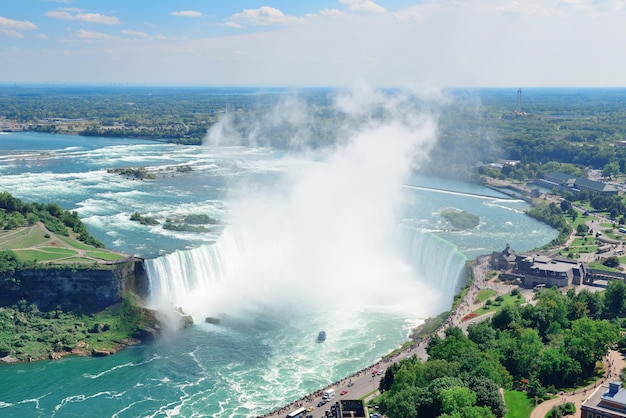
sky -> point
(385, 43)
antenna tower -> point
(518, 109)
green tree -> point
(615, 298)
(457, 398)
(610, 170)
(588, 341)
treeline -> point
(540, 349)
(553, 215)
(15, 213)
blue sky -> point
(440, 43)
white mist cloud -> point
(324, 236)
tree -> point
(610, 170)
(456, 398)
(588, 340)
(507, 317)
(615, 298)
(611, 261)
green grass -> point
(74, 243)
(105, 255)
(597, 265)
(518, 404)
(485, 294)
(508, 299)
(33, 244)
(35, 255)
(23, 238)
(57, 250)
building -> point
(607, 401)
(564, 181)
(504, 260)
(543, 270)
(536, 269)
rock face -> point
(82, 289)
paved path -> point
(613, 364)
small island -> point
(460, 219)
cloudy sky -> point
(442, 43)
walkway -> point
(613, 364)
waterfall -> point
(203, 277)
(436, 260)
(175, 277)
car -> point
(379, 372)
(343, 392)
(321, 403)
(310, 408)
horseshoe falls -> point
(351, 254)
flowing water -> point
(278, 268)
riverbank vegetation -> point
(557, 344)
(28, 334)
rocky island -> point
(460, 219)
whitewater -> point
(349, 241)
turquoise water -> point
(281, 267)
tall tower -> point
(518, 109)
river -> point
(303, 244)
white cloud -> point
(528, 9)
(77, 14)
(11, 33)
(94, 36)
(332, 12)
(16, 24)
(594, 7)
(136, 34)
(366, 6)
(408, 15)
(187, 13)
(262, 16)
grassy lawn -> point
(75, 243)
(597, 265)
(485, 294)
(23, 238)
(518, 404)
(36, 255)
(496, 306)
(105, 255)
(35, 244)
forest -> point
(539, 349)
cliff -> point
(80, 288)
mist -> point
(323, 236)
